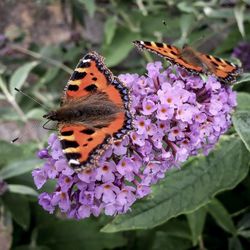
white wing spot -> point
(73, 161)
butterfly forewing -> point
(89, 75)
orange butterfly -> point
(95, 110)
(194, 61)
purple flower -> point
(242, 52)
(40, 177)
(45, 202)
(65, 182)
(148, 107)
(84, 211)
(107, 192)
(44, 153)
(176, 115)
(164, 112)
(105, 172)
(61, 199)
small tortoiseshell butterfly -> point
(194, 61)
(95, 110)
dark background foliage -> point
(206, 205)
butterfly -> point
(194, 61)
(94, 111)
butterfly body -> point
(194, 61)
(95, 110)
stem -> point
(142, 7)
(12, 101)
(41, 57)
(240, 211)
(201, 243)
(14, 104)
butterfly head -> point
(52, 115)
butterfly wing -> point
(169, 52)
(194, 61)
(224, 70)
(84, 145)
(89, 75)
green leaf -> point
(8, 152)
(187, 7)
(119, 48)
(244, 233)
(73, 235)
(245, 77)
(243, 101)
(30, 247)
(21, 189)
(19, 208)
(244, 223)
(36, 113)
(109, 29)
(186, 24)
(196, 221)
(163, 241)
(234, 244)
(18, 168)
(20, 75)
(218, 13)
(239, 16)
(90, 6)
(228, 44)
(177, 228)
(186, 190)
(241, 121)
(221, 216)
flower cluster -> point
(242, 52)
(176, 115)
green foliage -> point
(162, 239)
(20, 75)
(203, 205)
(77, 235)
(199, 180)
(18, 168)
(119, 48)
(18, 206)
(109, 29)
(89, 5)
(241, 121)
(196, 221)
(221, 216)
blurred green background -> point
(40, 44)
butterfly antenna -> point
(32, 98)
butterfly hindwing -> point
(224, 70)
(82, 145)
